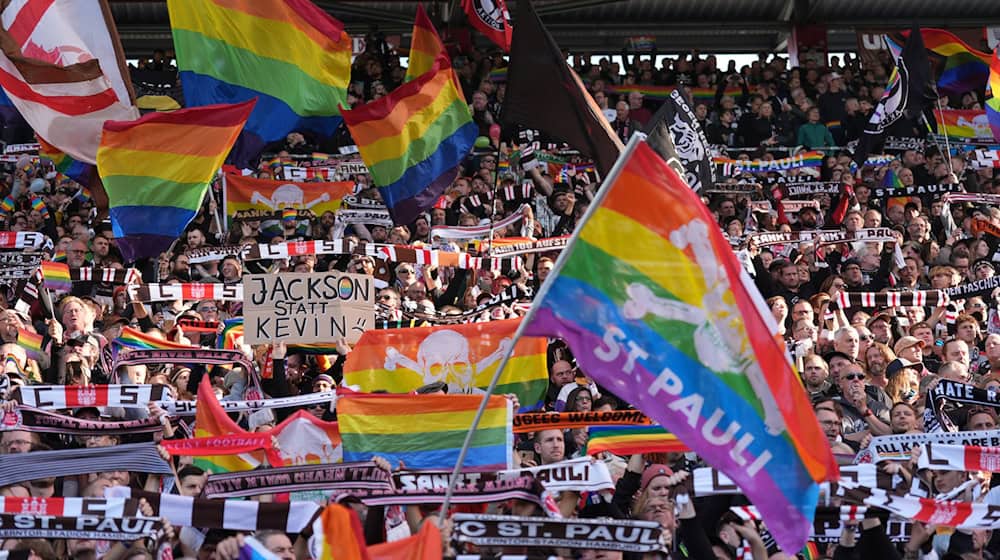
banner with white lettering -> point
(537, 532)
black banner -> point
(34, 420)
(915, 190)
(539, 532)
(983, 287)
(21, 526)
(341, 476)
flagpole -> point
(493, 200)
(947, 143)
(636, 139)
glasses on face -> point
(212, 309)
(404, 271)
(385, 297)
(867, 338)
(854, 376)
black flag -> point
(543, 92)
(674, 134)
(910, 90)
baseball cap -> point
(896, 366)
(906, 342)
(653, 471)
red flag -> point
(492, 19)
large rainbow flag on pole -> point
(425, 46)
(290, 55)
(963, 68)
(414, 139)
(156, 171)
(425, 431)
(671, 323)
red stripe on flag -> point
(27, 20)
(943, 513)
(72, 105)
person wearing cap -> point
(983, 269)
(808, 219)
(322, 383)
(910, 348)
(881, 327)
(904, 381)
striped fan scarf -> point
(230, 515)
(134, 457)
(935, 298)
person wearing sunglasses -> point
(863, 415)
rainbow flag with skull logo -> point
(463, 356)
(672, 324)
(268, 198)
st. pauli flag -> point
(674, 133)
(64, 32)
(463, 356)
(414, 139)
(491, 18)
(630, 440)
(543, 92)
(290, 55)
(66, 105)
(993, 95)
(248, 197)
(156, 171)
(963, 124)
(909, 91)
(424, 431)
(672, 324)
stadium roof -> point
(729, 26)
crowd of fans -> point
(866, 369)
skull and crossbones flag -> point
(464, 357)
(674, 134)
(246, 194)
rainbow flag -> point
(290, 55)
(38, 205)
(138, 340)
(425, 46)
(56, 276)
(424, 431)
(414, 139)
(463, 356)
(7, 205)
(232, 330)
(963, 68)
(963, 124)
(891, 179)
(211, 420)
(79, 171)
(289, 214)
(707, 95)
(630, 440)
(648, 92)
(156, 171)
(59, 256)
(810, 551)
(498, 75)
(31, 342)
(252, 549)
(993, 96)
(674, 325)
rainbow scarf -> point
(424, 431)
(56, 276)
(658, 93)
(138, 340)
(672, 322)
(993, 95)
(414, 139)
(292, 56)
(156, 171)
(630, 440)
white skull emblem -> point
(443, 356)
(287, 196)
